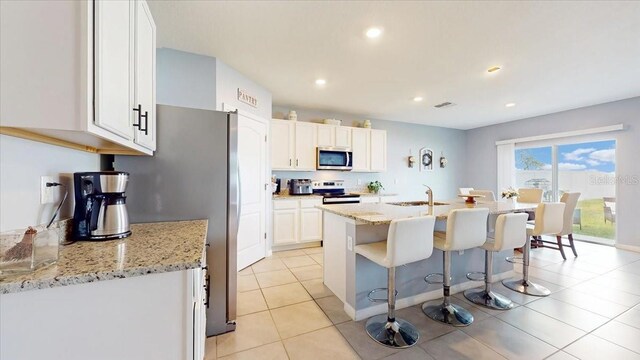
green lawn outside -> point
(593, 220)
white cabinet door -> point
(378, 150)
(114, 66)
(285, 226)
(306, 141)
(145, 79)
(369, 199)
(343, 136)
(252, 161)
(360, 147)
(282, 133)
(310, 225)
(326, 135)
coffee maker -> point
(100, 211)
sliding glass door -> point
(590, 169)
(587, 167)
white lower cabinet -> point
(296, 221)
(155, 316)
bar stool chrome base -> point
(449, 314)
(526, 287)
(398, 333)
(488, 299)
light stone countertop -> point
(292, 197)
(371, 194)
(152, 248)
(384, 213)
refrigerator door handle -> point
(239, 194)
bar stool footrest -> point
(515, 259)
(476, 276)
(429, 279)
(373, 299)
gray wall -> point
(22, 162)
(481, 152)
(401, 137)
(204, 82)
(185, 79)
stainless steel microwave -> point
(332, 158)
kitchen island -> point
(134, 298)
(352, 277)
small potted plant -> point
(510, 194)
(375, 187)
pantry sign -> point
(244, 97)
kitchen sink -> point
(416, 203)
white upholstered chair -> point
(530, 195)
(549, 221)
(464, 191)
(570, 200)
(408, 240)
(510, 232)
(488, 194)
(466, 229)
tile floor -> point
(285, 312)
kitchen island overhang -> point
(352, 277)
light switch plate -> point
(46, 193)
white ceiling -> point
(555, 55)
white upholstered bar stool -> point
(511, 232)
(466, 229)
(488, 194)
(408, 240)
(464, 191)
(549, 220)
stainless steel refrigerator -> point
(194, 175)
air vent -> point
(445, 104)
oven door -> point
(334, 159)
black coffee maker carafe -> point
(100, 211)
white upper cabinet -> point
(326, 135)
(282, 151)
(145, 80)
(306, 144)
(378, 153)
(334, 136)
(343, 136)
(113, 70)
(360, 139)
(73, 72)
(294, 145)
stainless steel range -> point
(332, 192)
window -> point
(587, 167)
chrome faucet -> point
(430, 195)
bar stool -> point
(466, 229)
(408, 240)
(511, 232)
(549, 220)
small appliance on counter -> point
(300, 187)
(333, 192)
(100, 211)
(278, 186)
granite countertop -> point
(292, 197)
(153, 248)
(384, 213)
(372, 194)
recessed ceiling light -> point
(493, 69)
(510, 104)
(417, 98)
(321, 82)
(373, 32)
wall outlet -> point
(349, 243)
(46, 193)
(395, 181)
(359, 181)
(460, 252)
